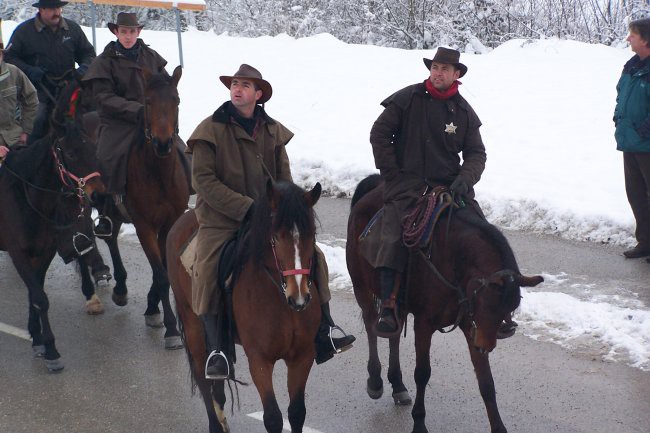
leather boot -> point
(326, 345)
(388, 322)
(217, 366)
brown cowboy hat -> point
(448, 57)
(250, 73)
(125, 19)
(49, 4)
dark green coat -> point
(633, 106)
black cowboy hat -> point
(125, 19)
(250, 73)
(49, 4)
(448, 57)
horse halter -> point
(288, 272)
(68, 179)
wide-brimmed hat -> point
(125, 19)
(49, 4)
(250, 73)
(448, 57)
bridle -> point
(286, 273)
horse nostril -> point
(307, 298)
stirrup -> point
(331, 339)
(400, 324)
(212, 355)
(82, 243)
(99, 219)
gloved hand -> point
(644, 129)
(81, 70)
(35, 74)
(459, 187)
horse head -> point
(161, 110)
(284, 220)
(73, 148)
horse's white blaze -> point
(298, 265)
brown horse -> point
(157, 194)
(471, 279)
(44, 189)
(276, 310)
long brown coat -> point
(118, 89)
(228, 174)
(417, 139)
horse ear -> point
(525, 281)
(270, 192)
(313, 195)
(176, 75)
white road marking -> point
(260, 417)
(16, 332)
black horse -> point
(44, 189)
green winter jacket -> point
(632, 111)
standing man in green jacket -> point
(18, 105)
(234, 152)
(632, 120)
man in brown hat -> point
(46, 48)
(229, 176)
(116, 80)
(18, 96)
(416, 142)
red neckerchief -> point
(437, 94)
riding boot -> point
(507, 328)
(388, 322)
(217, 366)
(103, 228)
(326, 345)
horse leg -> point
(298, 372)
(93, 303)
(33, 274)
(481, 362)
(172, 336)
(423, 333)
(401, 395)
(120, 292)
(262, 375)
(374, 384)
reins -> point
(285, 273)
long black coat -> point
(418, 139)
(118, 89)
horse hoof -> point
(173, 343)
(153, 320)
(54, 365)
(39, 351)
(119, 300)
(402, 398)
(375, 394)
(94, 306)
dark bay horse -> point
(44, 189)
(157, 194)
(276, 309)
(480, 275)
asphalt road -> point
(118, 378)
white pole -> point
(178, 32)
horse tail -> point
(365, 186)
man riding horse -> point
(235, 151)
(117, 82)
(416, 143)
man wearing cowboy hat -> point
(46, 48)
(116, 80)
(18, 96)
(416, 142)
(234, 152)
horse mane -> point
(28, 161)
(512, 292)
(291, 212)
(365, 186)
